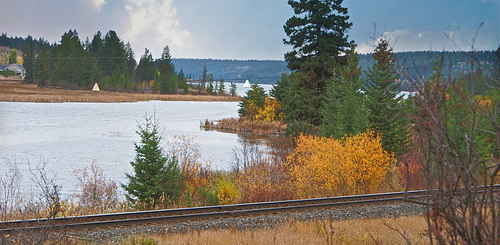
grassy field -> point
(12, 90)
(362, 231)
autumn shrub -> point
(228, 191)
(270, 112)
(265, 181)
(97, 193)
(195, 175)
(409, 171)
(322, 166)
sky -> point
(253, 29)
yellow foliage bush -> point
(270, 112)
(229, 193)
(322, 166)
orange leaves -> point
(326, 167)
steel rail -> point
(187, 214)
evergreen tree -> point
(210, 87)
(29, 60)
(131, 62)
(345, 111)
(232, 89)
(203, 79)
(254, 98)
(67, 54)
(166, 71)
(384, 104)
(97, 45)
(221, 88)
(114, 56)
(157, 177)
(182, 82)
(42, 67)
(146, 70)
(87, 68)
(317, 34)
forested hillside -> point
(269, 71)
(262, 71)
(412, 64)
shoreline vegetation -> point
(13, 90)
(240, 125)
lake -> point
(71, 135)
(68, 136)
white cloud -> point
(153, 24)
(96, 4)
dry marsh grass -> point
(12, 90)
(362, 231)
(256, 127)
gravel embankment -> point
(253, 222)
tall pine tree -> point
(318, 35)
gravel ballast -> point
(253, 222)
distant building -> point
(17, 68)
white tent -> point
(247, 84)
(96, 87)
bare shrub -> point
(96, 194)
(10, 194)
(49, 191)
(262, 174)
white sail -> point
(247, 84)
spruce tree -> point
(385, 106)
(255, 98)
(42, 67)
(318, 35)
(232, 89)
(166, 71)
(29, 60)
(146, 70)
(157, 177)
(345, 111)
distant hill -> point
(415, 64)
(262, 71)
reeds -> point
(256, 127)
(14, 91)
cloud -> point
(96, 4)
(153, 24)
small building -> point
(17, 68)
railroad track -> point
(211, 212)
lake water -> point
(71, 135)
(68, 136)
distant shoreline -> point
(13, 90)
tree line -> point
(105, 59)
